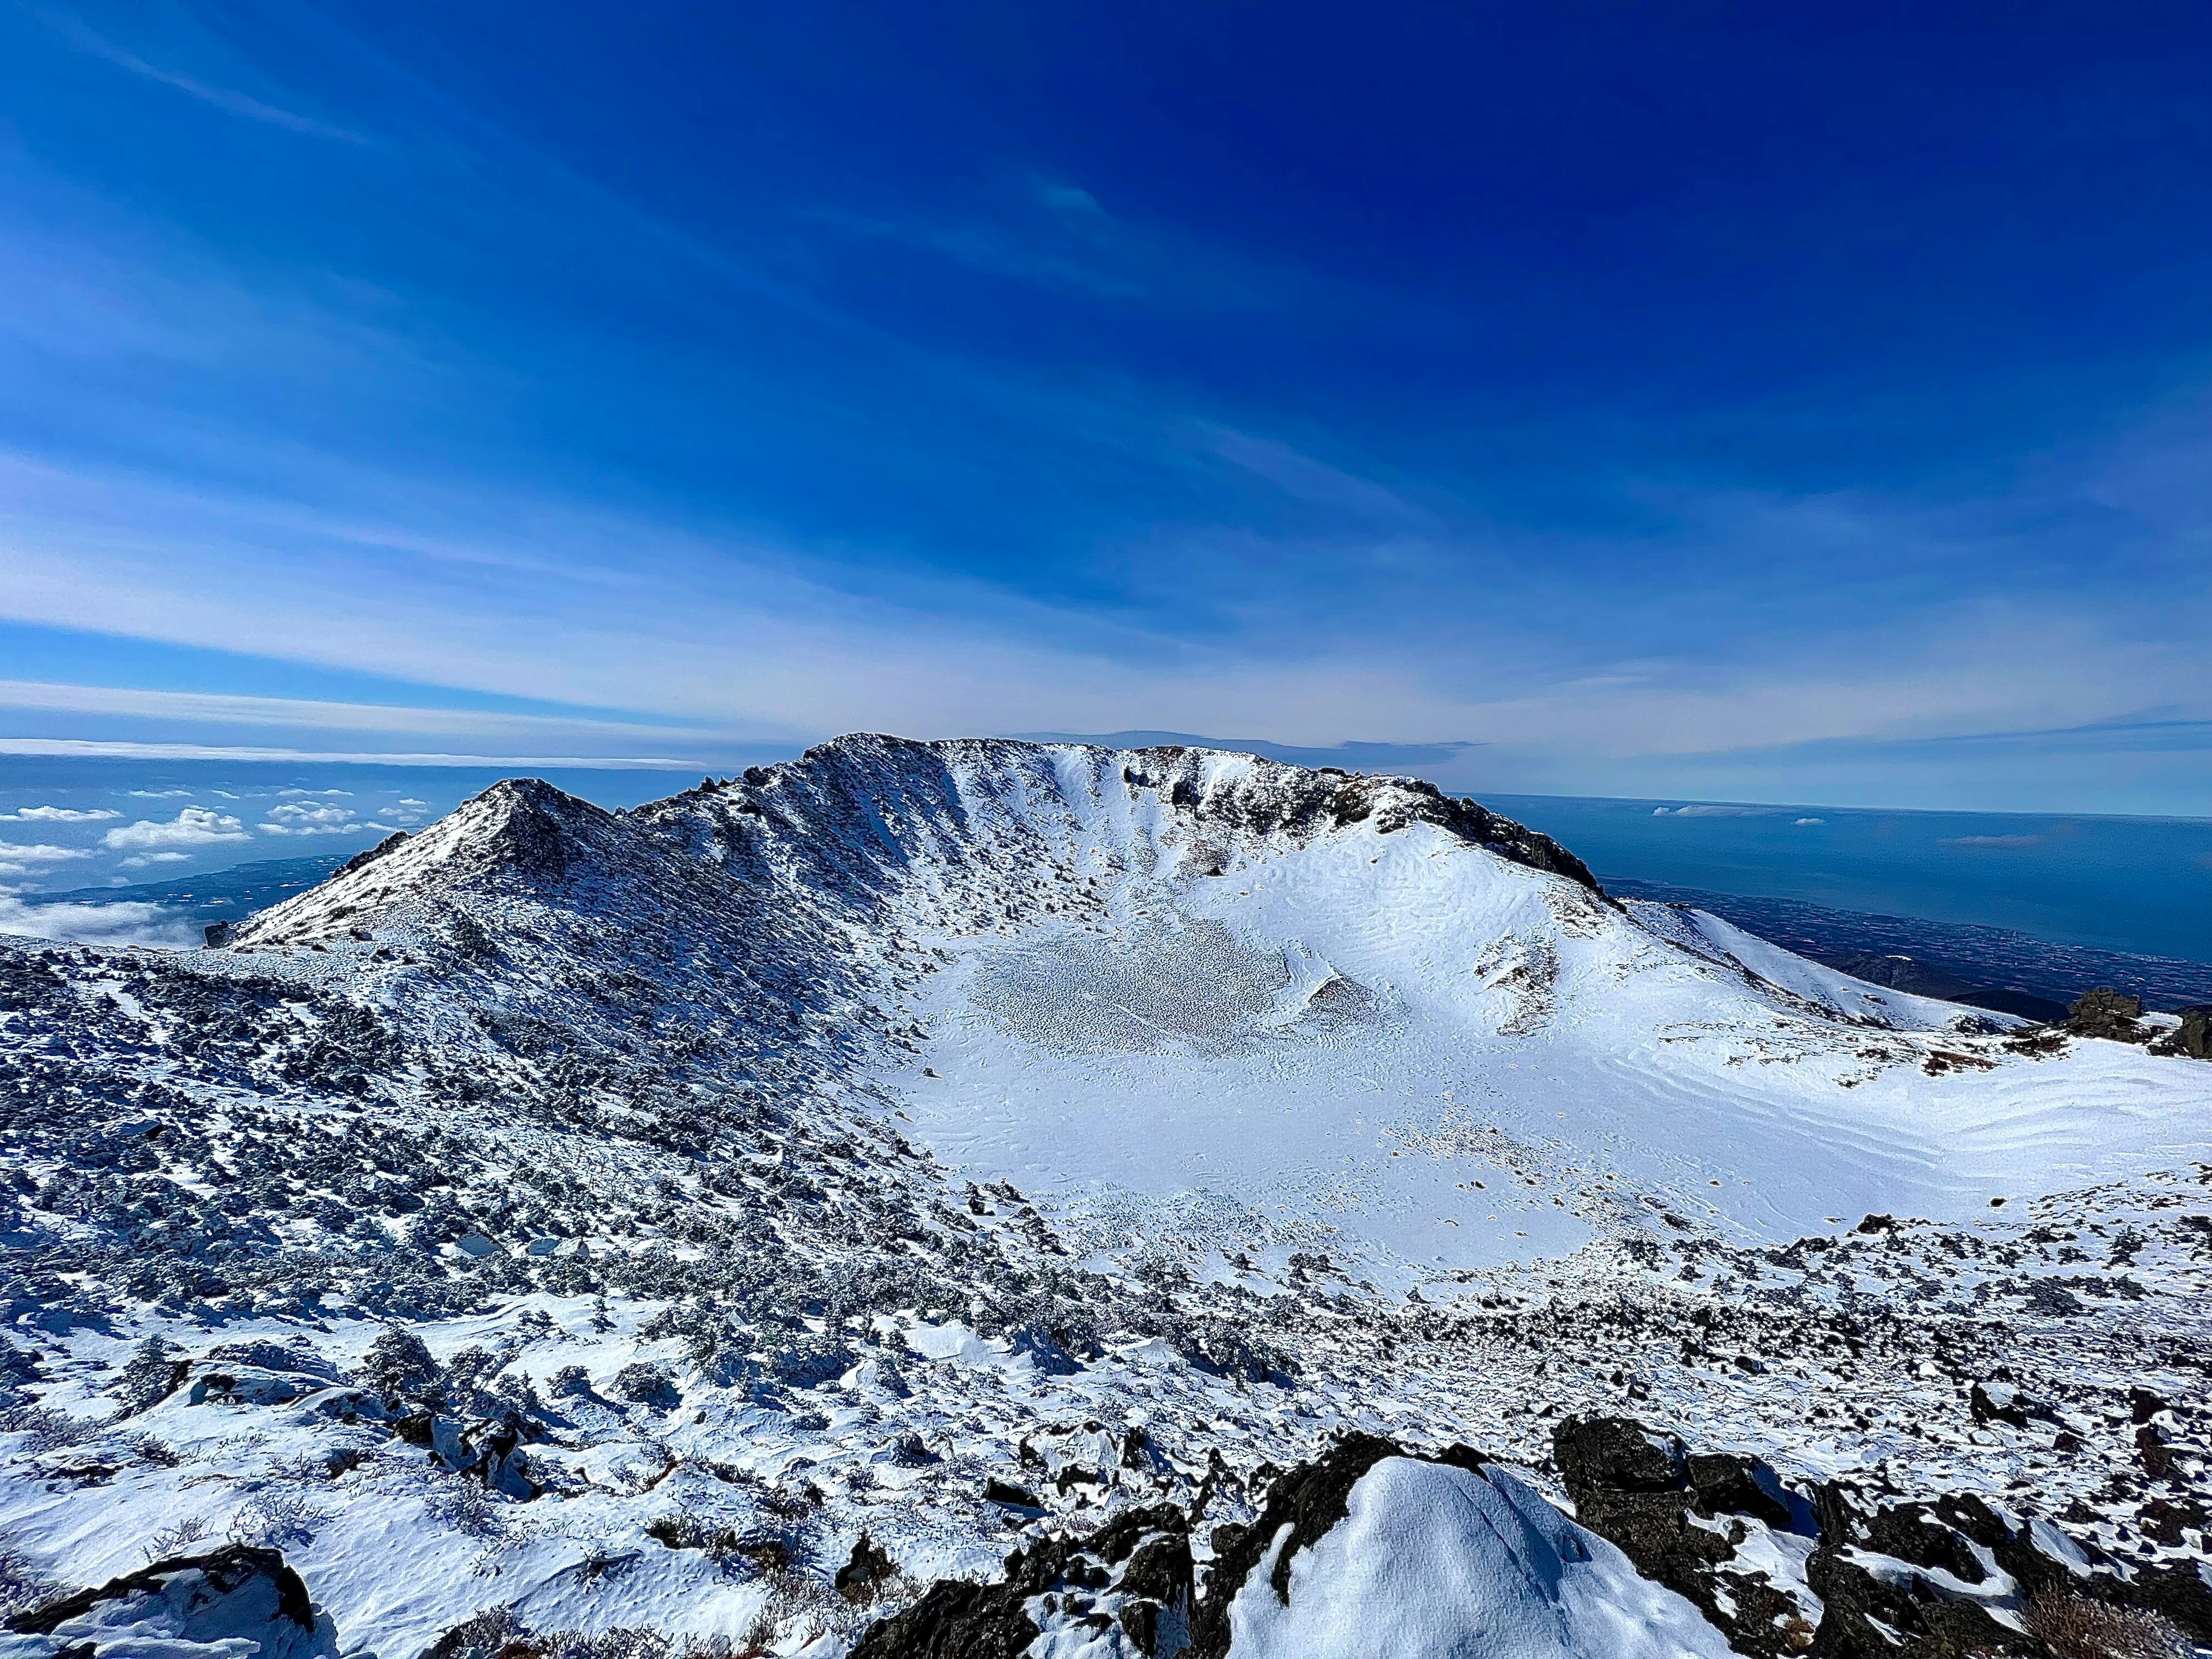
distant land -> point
(1982, 967)
(215, 895)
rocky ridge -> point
(524, 1204)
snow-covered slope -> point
(1140, 978)
(947, 1142)
(1461, 1563)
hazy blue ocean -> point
(2134, 885)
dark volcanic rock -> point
(233, 1596)
(2193, 1038)
(1647, 1495)
(956, 1619)
(1944, 1604)
(870, 1565)
(365, 858)
(1140, 1560)
(1309, 1499)
(1859, 1606)
(2104, 1012)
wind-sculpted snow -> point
(723, 1219)
(1460, 1562)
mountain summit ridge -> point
(724, 1216)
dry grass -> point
(2076, 1627)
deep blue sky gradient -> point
(1787, 404)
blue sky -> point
(1787, 404)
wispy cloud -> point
(228, 100)
(1307, 479)
(125, 749)
(928, 526)
(1055, 234)
(16, 857)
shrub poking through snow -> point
(2074, 1627)
(646, 1383)
(155, 1371)
(399, 1367)
(569, 1382)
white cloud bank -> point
(59, 815)
(195, 826)
(99, 924)
(296, 818)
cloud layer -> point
(349, 407)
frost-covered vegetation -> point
(553, 1235)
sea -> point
(149, 851)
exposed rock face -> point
(1939, 1578)
(1130, 1581)
(956, 1619)
(219, 1605)
(1310, 1500)
(369, 857)
(2193, 1037)
(1905, 1581)
(868, 1566)
(1682, 1516)
(1943, 1578)
(1954, 1576)
(2104, 1012)
(1372, 1549)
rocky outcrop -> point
(1905, 1581)
(2104, 1012)
(1682, 1516)
(238, 1598)
(1935, 1578)
(1133, 1576)
(370, 856)
(1309, 1499)
(869, 1567)
(1953, 1575)
(2192, 1038)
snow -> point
(1450, 1564)
(1253, 1120)
(1571, 1060)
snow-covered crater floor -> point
(1398, 1044)
(592, 1221)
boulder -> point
(1374, 1550)
(2104, 1012)
(217, 1605)
(1133, 1576)
(1680, 1516)
(2192, 1038)
(1953, 1575)
(869, 1567)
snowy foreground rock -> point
(989, 1198)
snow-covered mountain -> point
(723, 1219)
